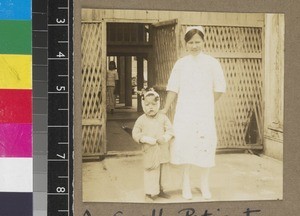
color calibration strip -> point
(16, 158)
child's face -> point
(151, 105)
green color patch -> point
(15, 37)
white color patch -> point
(16, 175)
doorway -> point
(128, 45)
(132, 76)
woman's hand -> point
(171, 96)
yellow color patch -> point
(15, 71)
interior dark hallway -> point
(129, 46)
(118, 140)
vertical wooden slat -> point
(140, 79)
(128, 81)
(121, 70)
(103, 91)
(151, 59)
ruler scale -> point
(60, 132)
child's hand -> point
(161, 140)
(148, 140)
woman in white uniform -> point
(197, 81)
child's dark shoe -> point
(164, 195)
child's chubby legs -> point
(163, 180)
(151, 183)
(154, 181)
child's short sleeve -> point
(219, 79)
(137, 131)
(174, 80)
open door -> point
(165, 40)
(93, 88)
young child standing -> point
(154, 131)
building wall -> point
(274, 85)
(185, 18)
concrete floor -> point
(120, 178)
(235, 177)
(117, 139)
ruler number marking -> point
(59, 21)
(61, 156)
(60, 55)
(60, 88)
(60, 189)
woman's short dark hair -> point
(188, 36)
(112, 65)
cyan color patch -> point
(15, 10)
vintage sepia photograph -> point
(181, 106)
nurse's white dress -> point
(195, 79)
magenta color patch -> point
(15, 140)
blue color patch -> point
(15, 10)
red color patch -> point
(15, 106)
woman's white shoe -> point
(187, 194)
(206, 194)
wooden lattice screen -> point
(239, 49)
(165, 54)
(239, 112)
(93, 89)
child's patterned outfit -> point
(155, 154)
